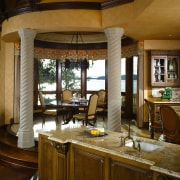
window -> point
(47, 78)
(135, 65)
(129, 88)
(123, 75)
(71, 78)
(96, 76)
(52, 77)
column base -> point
(26, 139)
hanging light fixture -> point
(76, 57)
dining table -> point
(71, 107)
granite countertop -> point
(164, 159)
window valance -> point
(42, 53)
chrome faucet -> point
(138, 146)
(128, 137)
(129, 133)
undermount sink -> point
(144, 146)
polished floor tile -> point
(51, 125)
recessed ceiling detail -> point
(66, 37)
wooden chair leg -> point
(43, 121)
(56, 119)
(103, 115)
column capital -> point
(114, 31)
(24, 33)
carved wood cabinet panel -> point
(46, 157)
(88, 166)
(52, 159)
(124, 171)
(91, 164)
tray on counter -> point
(95, 132)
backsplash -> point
(175, 95)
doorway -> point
(129, 86)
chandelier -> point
(75, 57)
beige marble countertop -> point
(165, 159)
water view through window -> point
(71, 78)
(96, 76)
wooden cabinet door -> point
(122, 171)
(61, 160)
(87, 166)
(52, 159)
(172, 71)
(158, 70)
(46, 158)
(165, 71)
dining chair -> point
(67, 95)
(153, 125)
(171, 124)
(47, 112)
(88, 117)
(101, 103)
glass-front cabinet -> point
(165, 71)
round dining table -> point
(71, 107)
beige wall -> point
(8, 79)
(2, 87)
(147, 88)
(162, 44)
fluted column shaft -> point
(26, 132)
(114, 77)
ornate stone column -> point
(114, 77)
(26, 132)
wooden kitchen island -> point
(72, 154)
